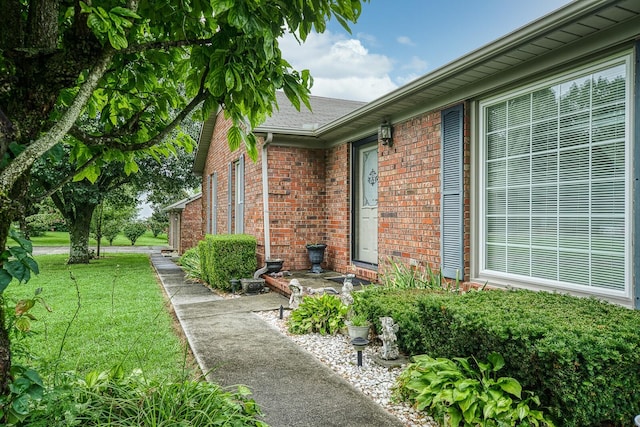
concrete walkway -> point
(234, 346)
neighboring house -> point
(185, 223)
(515, 165)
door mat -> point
(356, 281)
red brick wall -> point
(218, 159)
(297, 203)
(409, 193)
(309, 198)
(191, 225)
(338, 184)
(297, 207)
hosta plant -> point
(457, 394)
(325, 315)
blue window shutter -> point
(451, 204)
(230, 198)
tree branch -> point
(17, 168)
(25, 160)
(165, 45)
(66, 180)
(112, 142)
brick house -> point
(185, 223)
(513, 165)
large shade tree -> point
(77, 200)
(122, 64)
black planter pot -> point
(274, 265)
(316, 256)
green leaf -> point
(455, 416)
(496, 360)
(122, 11)
(229, 79)
(91, 173)
(469, 414)
(117, 40)
(18, 252)
(510, 385)
(522, 411)
(234, 136)
(23, 324)
(21, 404)
(24, 243)
(131, 167)
(16, 269)
(5, 279)
(252, 146)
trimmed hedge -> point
(581, 356)
(227, 256)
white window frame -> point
(239, 194)
(483, 274)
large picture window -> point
(555, 188)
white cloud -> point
(416, 64)
(341, 67)
(354, 88)
(405, 40)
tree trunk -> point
(11, 207)
(79, 230)
(98, 228)
(5, 347)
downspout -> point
(265, 197)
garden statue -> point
(388, 337)
(296, 294)
(347, 288)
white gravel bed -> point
(371, 379)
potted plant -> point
(358, 326)
(316, 256)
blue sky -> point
(396, 41)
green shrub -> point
(227, 256)
(324, 315)
(376, 302)
(458, 394)
(134, 230)
(579, 355)
(157, 227)
(110, 230)
(113, 399)
(190, 263)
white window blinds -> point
(555, 191)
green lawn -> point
(60, 238)
(123, 317)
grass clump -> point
(111, 398)
(398, 275)
(191, 264)
(107, 354)
(120, 315)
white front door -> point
(367, 205)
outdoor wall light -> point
(384, 134)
